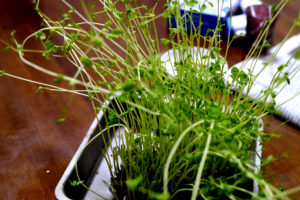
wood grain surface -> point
(34, 151)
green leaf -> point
(274, 8)
(267, 45)
(52, 32)
(97, 109)
(72, 10)
(281, 188)
(40, 35)
(132, 184)
(297, 21)
(205, 57)
(273, 94)
(91, 95)
(112, 36)
(129, 11)
(161, 196)
(46, 55)
(243, 78)
(165, 41)
(268, 160)
(217, 49)
(60, 121)
(119, 16)
(128, 86)
(234, 70)
(6, 48)
(296, 53)
(66, 47)
(203, 7)
(50, 46)
(212, 54)
(63, 111)
(112, 117)
(116, 33)
(150, 14)
(174, 30)
(191, 2)
(75, 183)
(66, 16)
(108, 23)
(93, 15)
(288, 80)
(13, 33)
(281, 67)
(19, 47)
(2, 72)
(59, 78)
(86, 61)
(40, 89)
(74, 36)
(92, 5)
(97, 41)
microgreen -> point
(86, 61)
(2, 72)
(60, 121)
(59, 78)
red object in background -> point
(257, 16)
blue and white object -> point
(236, 25)
(247, 3)
(207, 11)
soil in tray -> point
(119, 183)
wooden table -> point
(34, 151)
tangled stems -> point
(182, 130)
(173, 151)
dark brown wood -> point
(284, 171)
(34, 151)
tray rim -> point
(59, 191)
